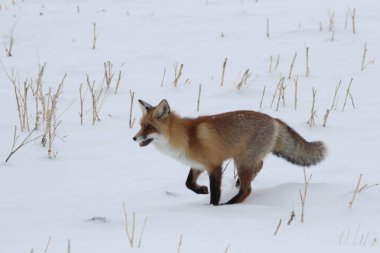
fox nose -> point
(134, 138)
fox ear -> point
(162, 110)
(145, 107)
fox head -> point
(153, 122)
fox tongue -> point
(145, 142)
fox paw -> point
(202, 190)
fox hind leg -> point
(237, 183)
(191, 182)
(246, 176)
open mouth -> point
(145, 142)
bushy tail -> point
(291, 146)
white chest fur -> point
(164, 146)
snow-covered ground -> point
(78, 196)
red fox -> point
(204, 143)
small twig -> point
(244, 79)
(281, 95)
(307, 62)
(142, 232)
(277, 62)
(292, 216)
(69, 246)
(352, 14)
(118, 81)
(179, 244)
(131, 121)
(227, 248)
(23, 143)
(199, 97)
(313, 112)
(292, 65)
(270, 64)
(364, 63)
(355, 192)
(304, 194)
(108, 74)
(364, 55)
(178, 74)
(365, 187)
(262, 97)
(348, 93)
(277, 90)
(223, 72)
(325, 117)
(95, 96)
(163, 78)
(95, 36)
(295, 92)
(267, 27)
(346, 22)
(130, 235)
(81, 100)
(11, 42)
(331, 21)
(47, 245)
(225, 167)
(278, 227)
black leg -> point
(215, 182)
(191, 182)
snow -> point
(79, 195)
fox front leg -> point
(191, 182)
(215, 177)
